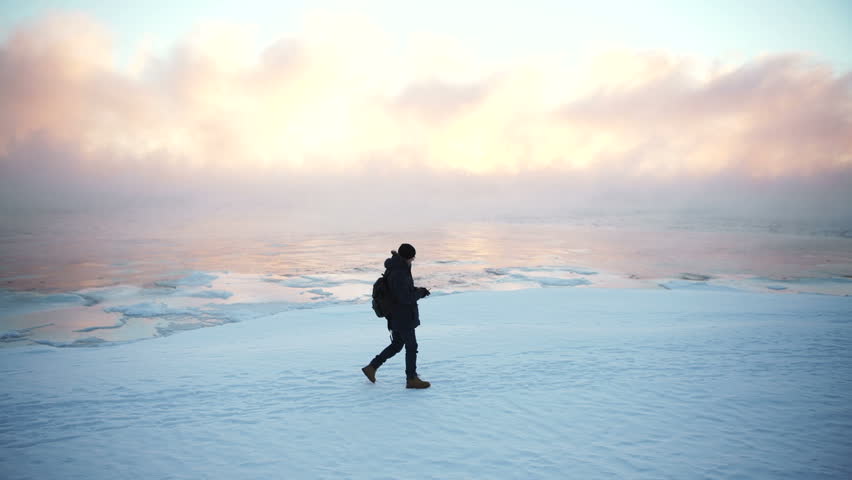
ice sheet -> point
(539, 383)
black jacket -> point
(404, 313)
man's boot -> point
(370, 372)
(415, 382)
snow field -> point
(541, 383)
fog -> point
(329, 128)
(40, 185)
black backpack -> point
(382, 301)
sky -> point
(500, 30)
(427, 109)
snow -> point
(695, 285)
(554, 276)
(20, 334)
(23, 302)
(196, 279)
(223, 294)
(308, 281)
(540, 383)
(149, 309)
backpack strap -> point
(387, 280)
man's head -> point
(407, 252)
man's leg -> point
(396, 345)
(410, 340)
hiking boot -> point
(415, 382)
(370, 372)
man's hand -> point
(424, 292)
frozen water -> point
(199, 299)
(200, 278)
(526, 276)
(319, 292)
(80, 342)
(194, 279)
(150, 310)
(23, 302)
(546, 281)
(695, 277)
(538, 383)
(210, 294)
(21, 334)
(120, 323)
(653, 353)
(695, 285)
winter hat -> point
(407, 251)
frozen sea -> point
(605, 347)
(72, 280)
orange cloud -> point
(334, 98)
(778, 115)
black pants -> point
(400, 338)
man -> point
(403, 318)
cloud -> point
(332, 110)
(434, 101)
(779, 115)
(47, 74)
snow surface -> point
(540, 383)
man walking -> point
(403, 318)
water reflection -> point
(138, 276)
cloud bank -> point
(335, 117)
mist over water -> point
(212, 182)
